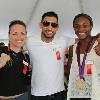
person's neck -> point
(15, 49)
(86, 40)
(45, 39)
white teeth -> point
(50, 32)
(19, 41)
(81, 33)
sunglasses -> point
(46, 24)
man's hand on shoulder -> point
(97, 47)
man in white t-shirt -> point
(47, 57)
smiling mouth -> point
(49, 33)
(81, 33)
(19, 41)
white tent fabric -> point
(30, 11)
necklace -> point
(80, 83)
(81, 66)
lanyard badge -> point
(89, 69)
(58, 55)
(25, 67)
(89, 64)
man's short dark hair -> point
(49, 14)
(14, 22)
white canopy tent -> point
(30, 11)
